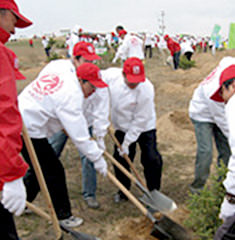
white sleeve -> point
(142, 113)
(71, 116)
(101, 113)
(229, 182)
(111, 75)
(122, 50)
(218, 113)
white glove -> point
(124, 150)
(101, 166)
(227, 209)
(14, 196)
(100, 143)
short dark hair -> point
(78, 57)
(228, 82)
(119, 28)
(84, 80)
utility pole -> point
(162, 23)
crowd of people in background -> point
(186, 43)
(175, 45)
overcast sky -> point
(196, 17)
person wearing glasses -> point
(225, 93)
(209, 122)
(50, 103)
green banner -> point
(231, 39)
(215, 32)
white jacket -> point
(45, 42)
(132, 110)
(162, 43)
(96, 111)
(148, 40)
(186, 47)
(229, 182)
(201, 107)
(71, 42)
(132, 46)
(54, 101)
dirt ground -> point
(176, 142)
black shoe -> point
(120, 197)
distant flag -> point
(231, 39)
(215, 32)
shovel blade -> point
(78, 235)
(159, 233)
(175, 230)
(158, 202)
(83, 236)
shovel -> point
(158, 202)
(41, 182)
(52, 217)
(126, 157)
(154, 199)
(163, 228)
(74, 234)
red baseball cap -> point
(15, 63)
(227, 74)
(22, 21)
(91, 73)
(122, 32)
(85, 50)
(134, 70)
(166, 36)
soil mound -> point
(134, 228)
(176, 131)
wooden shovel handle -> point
(120, 166)
(126, 158)
(129, 195)
(41, 182)
(38, 211)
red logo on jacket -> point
(47, 84)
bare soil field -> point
(176, 142)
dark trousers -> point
(148, 48)
(227, 230)
(150, 159)
(7, 225)
(54, 175)
(188, 55)
(47, 51)
(176, 60)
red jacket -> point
(173, 46)
(12, 166)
